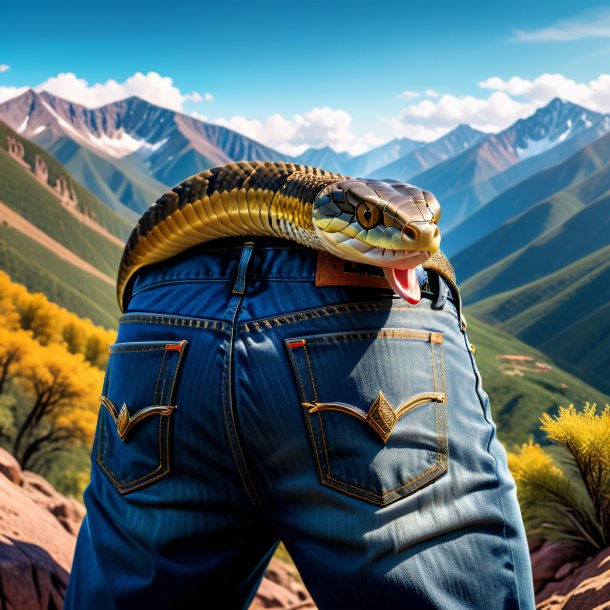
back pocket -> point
(133, 432)
(375, 407)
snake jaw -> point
(402, 218)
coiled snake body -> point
(389, 224)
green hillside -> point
(39, 267)
(581, 234)
(24, 194)
(521, 391)
(121, 183)
(116, 224)
(562, 314)
(33, 265)
(579, 175)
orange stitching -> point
(442, 451)
(117, 483)
(395, 489)
(156, 394)
(307, 421)
(162, 456)
(325, 446)
(433, 367)
(171, 391)
(313, 381)
(292, 318)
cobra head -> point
(389, 224)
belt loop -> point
(240, 282)
(442, 293)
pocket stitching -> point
(442, 448)
(307, 422)
(156, 394)
(126, 484)
(164, 458)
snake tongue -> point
(404, 282)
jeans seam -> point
(491, 433)
(193, 322)
(294, 317)
(229, 410)
(120, 486)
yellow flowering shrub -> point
(569, 503)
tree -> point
(13, 347)
(64, 390)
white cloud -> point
(152, 87)
(407, 95)
(428, 120)
(594, 94)
(7, 93)
(4, 67)
(199, 116)
(316, 128)
(594, 23)
(432, 93)
(510, 100)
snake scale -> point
(389, 224)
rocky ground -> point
(562, 583)
(38, 528)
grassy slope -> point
(87, 202)
(573, 180)
(29, 263)
(120, 183)
(518, 402)
(565, 314)
(26, 196)
(579, 236)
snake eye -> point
(369, 216)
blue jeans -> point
(243, 405)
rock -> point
(547, 560)
(35, 552)
(587, 588)
(38, 534)
(564, 570)
(272, 595)
(286, 576)
(67, 511)
(9, 467)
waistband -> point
(271, 259)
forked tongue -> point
(404, 282)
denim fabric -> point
(242, 405)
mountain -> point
(325, 157)
(467, 181)
(566, 314)
(581, 234)
(527, 210)
(359, 166)
(127, 152)
(55, 236)
(428, 155)
(365, 164)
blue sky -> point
(313, 72)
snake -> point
(385, 223)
